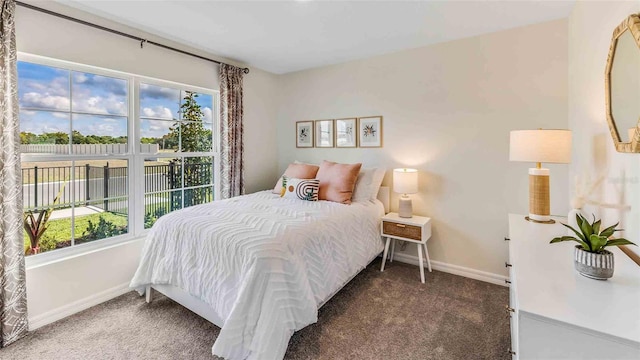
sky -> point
(42, 89)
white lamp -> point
(405, 181)
(538, 146)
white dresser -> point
(557, 313)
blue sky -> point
(42, 89)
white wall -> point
(448, 110)
(591, 25)
(78, 282)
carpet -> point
(388, 315)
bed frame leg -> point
(147, 294)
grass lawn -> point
(59, 230)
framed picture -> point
(324, 133)
(346, 134)
(370, 131)
(304, 134)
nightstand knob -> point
(507, 281)
(507, 239)
(506, 264)
(401, 225)
(511, 352)
(509, 308)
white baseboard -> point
(77, 306)
(453, 269)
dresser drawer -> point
(402, 230)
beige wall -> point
(591, 25)
(448, 110)
(77, 282)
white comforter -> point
(263, 263)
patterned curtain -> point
(13, 294)
(231, 143)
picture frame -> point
(370, 132)
(346, 131)
(304, 134)
(324, 133)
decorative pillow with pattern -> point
(303, 189)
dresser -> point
(557, 313)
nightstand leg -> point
(426, 253)
(421, 265)
(393, 249)
(384, 255)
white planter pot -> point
(592, 265)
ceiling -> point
(282, 37)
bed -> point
(259, 266)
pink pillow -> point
(337, 181)
(299, 171)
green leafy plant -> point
(36, 226)
(591, 236)
(103, 229)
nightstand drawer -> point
(402, 230)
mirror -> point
(623, 85)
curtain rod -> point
(133, 37)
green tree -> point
(194, 138)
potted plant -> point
(590, 258)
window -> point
(104, 154)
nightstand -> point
(416, 229)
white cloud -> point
(208, 114)
(157, 112)
(37, 100)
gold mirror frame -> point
(632, 24)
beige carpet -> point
(387, 315)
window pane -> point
(43, 87)
(198, 171)
(99, 94)
(196, 136)
(198, 196)
(159, 102)
(101, 199)
(158, 204)
(95, 134)
(94, 205)
(162, 178)
(44, 132)
(164, 134)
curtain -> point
(13, 294)
(231, 143)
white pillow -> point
(303, 189)
(368, 184)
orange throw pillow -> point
(298, 171)
(337, 181)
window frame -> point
(135, 158)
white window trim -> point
(134, 157)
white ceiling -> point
(282, 37)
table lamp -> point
(538, 146)
(405, 181)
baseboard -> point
(453, 269)
(77, 306)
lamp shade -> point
(405, 181)
(548, 146)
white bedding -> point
(263, 263)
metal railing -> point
(106, 187)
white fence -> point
(85, 149)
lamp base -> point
(405, 208)
(550, 221)
(539, 203)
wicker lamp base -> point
(539, 197)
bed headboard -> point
(383, 196)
